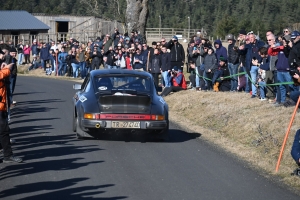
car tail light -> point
(157, 117)
(137, 117)
(89, 116)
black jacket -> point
(294, 56)
(166, 62)
(155, 64)
(177, 52)
(233, 55)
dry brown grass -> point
(249, 128)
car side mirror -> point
(77, 86)
(159, 89)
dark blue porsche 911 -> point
(112, 99)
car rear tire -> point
(74, 122)
(78, 135)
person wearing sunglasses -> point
(287, 31)
(294, 56)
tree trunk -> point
(136, 15)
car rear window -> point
(115, 82)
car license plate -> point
(125, 124)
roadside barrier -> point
(242, 73)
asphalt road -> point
(58, 166)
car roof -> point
(119, 71)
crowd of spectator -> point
(267, 66)
(264, 67)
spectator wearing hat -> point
(294, 56)
(35, 63)
(233, 62)
(177, 80)
(218, 73)
(177, 53)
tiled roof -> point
(20, 20)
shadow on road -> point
(175, 136)
(59, 190)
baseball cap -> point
(295, 34)
(175, 37)
(119, 45)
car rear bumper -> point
(107, 124)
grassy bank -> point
(249, 128)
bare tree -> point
(92, 6)
(136, 15)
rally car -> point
(119, 99)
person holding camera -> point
(294, 56)
(177, 52)
(5, 144)
(283, 69)
(178, 81)
(110, 59)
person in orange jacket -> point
(5, 144)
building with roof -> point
(82, 28)
(16, 25)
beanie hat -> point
(243, 32)
(222, 59)
(13, 50)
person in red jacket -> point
(177, 80)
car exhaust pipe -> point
(97, 125)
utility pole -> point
(189, 27)
(160, 26)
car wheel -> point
(78, 135)
(74, 122)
